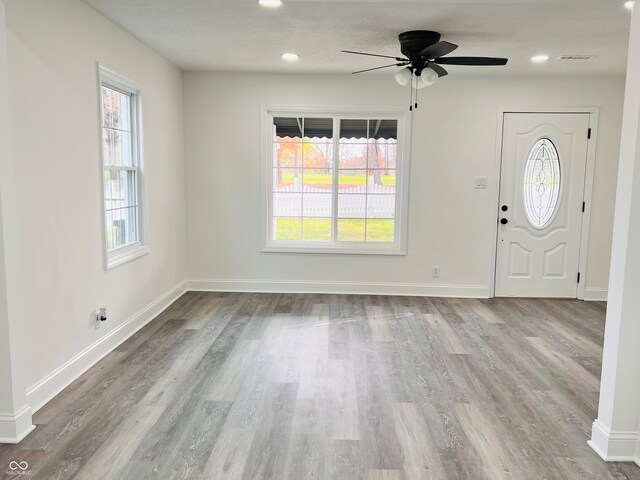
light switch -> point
(482, 182)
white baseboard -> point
(14, 427)
(615, 446)
(361, 288)
(595, 294)
(47, 388)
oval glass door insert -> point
(541, 183)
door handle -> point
(504, 221)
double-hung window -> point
(121, 169)
(336, 182)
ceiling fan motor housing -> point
(414, 41)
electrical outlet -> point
(101, 315)
(435, 272)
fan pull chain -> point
(411, 93)
(416, 106)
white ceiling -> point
(241, 35)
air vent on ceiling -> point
(576, 57)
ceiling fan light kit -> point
(403, 76)
(428, 77)
(424, 54)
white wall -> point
(6, 397)
(616, 432)
(15, 414)
(452, 225)
(53, 48)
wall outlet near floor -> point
(101, 316)
(435, 272)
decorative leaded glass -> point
(541, 183)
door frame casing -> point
(592, 144)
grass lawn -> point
(325, 179)
(319, 230)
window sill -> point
(127, 254)
(393, 250)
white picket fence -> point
(355, 202)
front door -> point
(541, 204)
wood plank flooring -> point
(270, 386)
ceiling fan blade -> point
(374, 55)
(472, 61)
(378, 68)
(438, 50)
(438, 69)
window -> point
(121, 169)
(336, 182)
(541, 183)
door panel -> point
(541, 186)
(555, 262)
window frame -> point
(126, 253)
(399, 245)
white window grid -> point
(134, 245)
(398, 246)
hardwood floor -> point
(269, 386)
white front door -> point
(541, 204)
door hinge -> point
(578, 277)
(584, 205)
(588, 133)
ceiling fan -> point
(424, 55)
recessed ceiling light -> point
(270, 3)
(630, 4)
(290, 57)
(540, 58)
